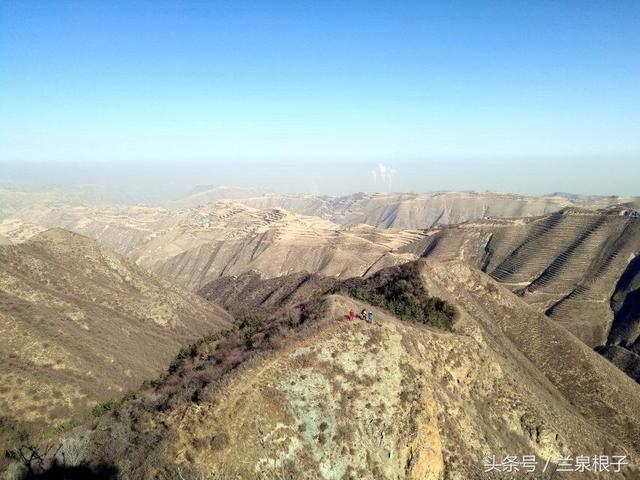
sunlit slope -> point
(566, 264)
(406, 210)
(80, 324)
(399, 400)
(196, 246)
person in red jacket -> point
(352, 315)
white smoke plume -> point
(383, 176)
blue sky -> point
(475, 94)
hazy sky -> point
(530, 97)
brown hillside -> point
(79, 324)
(390, 400)
(403, 401)
(567, 264)
(196, 246)
(407, 210)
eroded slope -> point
(408, 210)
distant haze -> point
(167, 180)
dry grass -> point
(81, 327)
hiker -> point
(363, 314)
(370, 317)
(352, 315)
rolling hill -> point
(406, 210)
(566, 263)
(195, 246)
(82, 325)
(403, 400)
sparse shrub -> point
(6, 423)
(219, 441)
(66, 426)
(401, 291)
(195, 373)
(130, 395)
(100, 409)
(189, 351)
(111, 405)
(251, 323)
(157, 382)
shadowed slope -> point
(625, 303)
(250, 293)
(623, 344)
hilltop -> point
(394, 399)
(567, 263)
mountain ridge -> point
(375, 401)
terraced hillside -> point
(407, 210)
(79, 325)
(196, 246)
(120, 228)
(390, 400)
(566, 264)
(120, 223)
